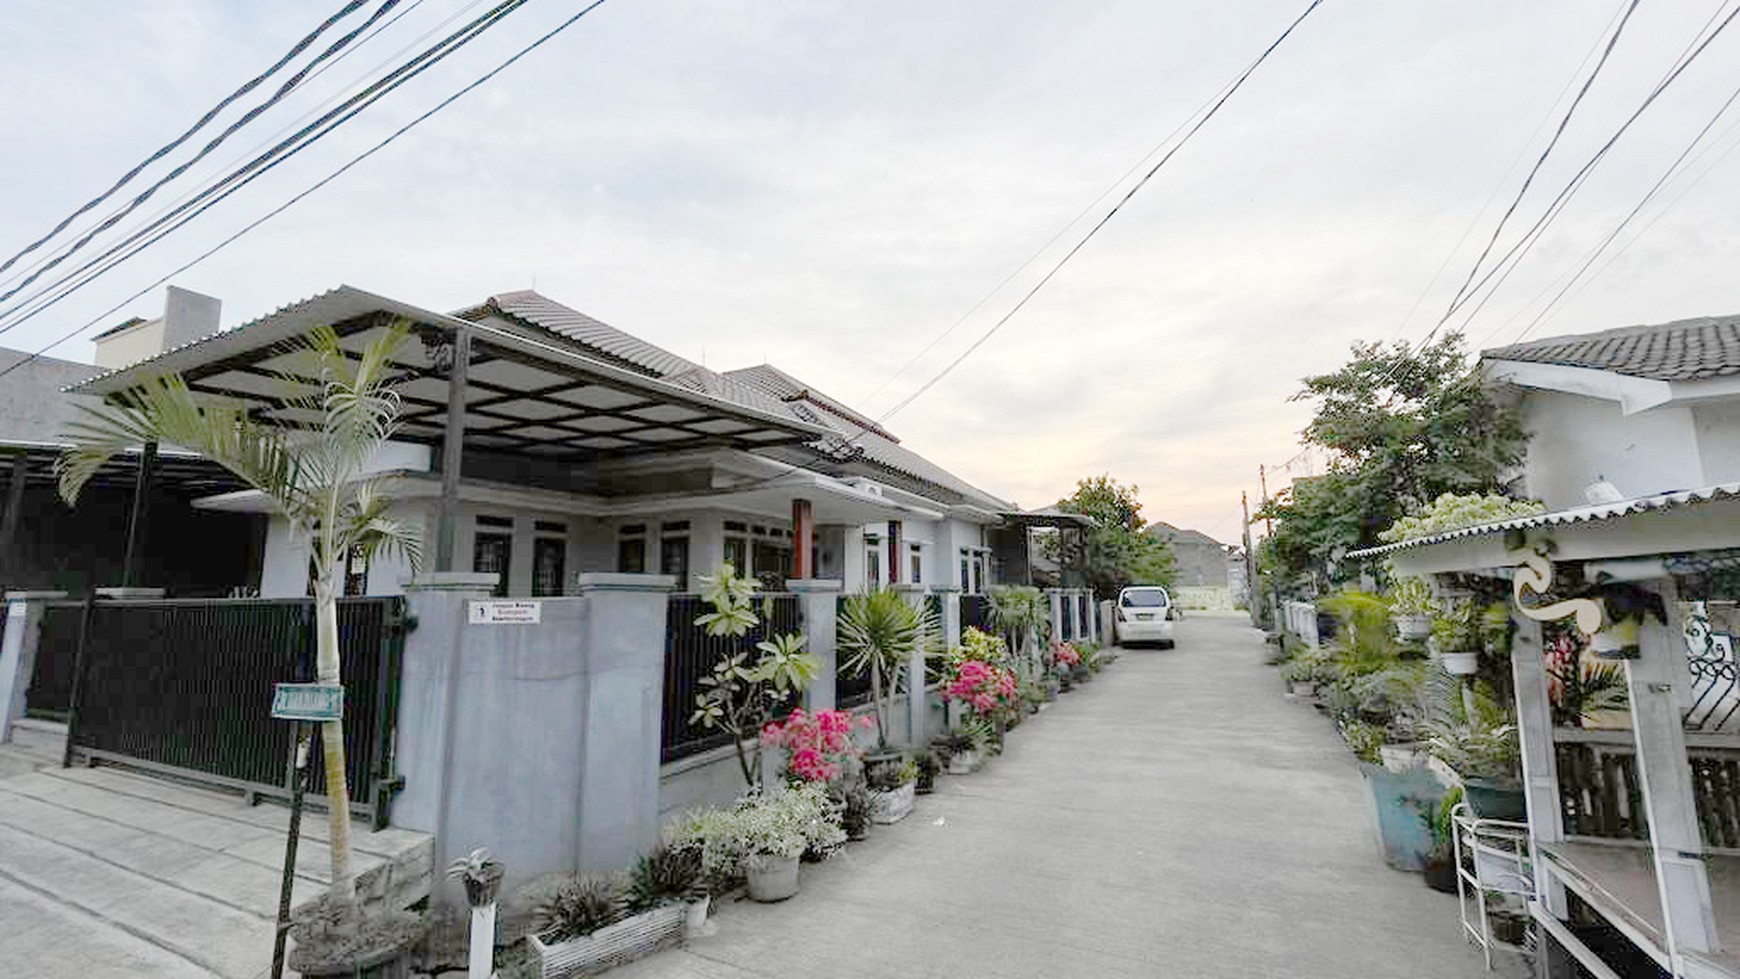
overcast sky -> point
(829, 186)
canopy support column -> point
(1534, 717)
(452, 452)
(1682, 880)
(138, 521)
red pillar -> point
(803, 532)
(895, 547)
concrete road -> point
(1174, 817)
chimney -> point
(187, 316)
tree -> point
(1113, 552)
(316, 478)
(1402, 428)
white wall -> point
(1576, 440)
(1718, 426)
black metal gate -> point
(185, 687)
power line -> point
(265, 162)
(407, 127)
(164, 150)
(1230, 92)
(1457, 300)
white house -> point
(582, 448)
(1648, 409)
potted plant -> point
(1411, 608)
(1441, 862)
(962, 754)
(771, 837)
(1477, 738)
(929, 765)
(1456, 634)
(587, 925)
(481, 876)
(892, 788)
(669, 875)
(879, 632)
(855, 807)
(335, 937)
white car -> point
(1144, 614)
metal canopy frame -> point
(521, 394)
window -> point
(978, 572)
(356, 572)
(737, 554)
(674, 560)
(916, 562)
(631, 549)
(549, 562)
(966, 573)
(872, 563)
(772, 565)
(493, 553)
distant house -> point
(1646, 409)
(1201, 559)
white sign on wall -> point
(501, 611)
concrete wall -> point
(515, 736)
(1718, 426)
(1577, 440)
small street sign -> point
(307, 701)
(505, 612)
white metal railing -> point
(1300, 621)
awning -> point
(177, 470)
(524, 395)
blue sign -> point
(307, 701)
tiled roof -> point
(595, 337)
(879, 446)
(1684, 350)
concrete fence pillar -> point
(949, 621)
(915, 705)
(534, 730)
(18, 636)
(1054, 599)
(819, 604)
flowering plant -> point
(983, 686)
(783, 824)
(1065, 656)
(819, 744)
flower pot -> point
(1496, 799)
(1398, 801)
(392, 963)
(1441, 874)
(625, 941)
(1304, 689)
(771, 878)
(963, 762)
(1052, 687)
(1462, 664)
(695, 916)
(892, 805)
(1399, 758)
(1413, 627)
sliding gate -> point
(184, 688)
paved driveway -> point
(1174, 817)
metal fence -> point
(185, 687)
(851, 687)
(975, 613)
(49, 694)
(690, 654)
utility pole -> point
(1251, 589)
(1263, 476)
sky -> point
(831, 187)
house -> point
(1201, 560)
(582, 448)
(1645, 409)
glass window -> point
(916, 562)
(772, 565)
(631, 555)
(737, 554)
(674, 560)
(549, 561)
(493, 553)
(873, 565)
(966, 575)
(1143, 598)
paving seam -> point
(82, 851)
(141, 934)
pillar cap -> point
(25, 595)
(125, 593)
(804, 585)
(479, 582)
(907, 587)
(945, 589)
(595, 581)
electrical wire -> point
(264, 163)
(350, 7)
(1058, 267)
(407, 127)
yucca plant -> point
(879, 631)
(316, 478)
(665, 874)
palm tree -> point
(879, 631)
(317, 479)
(1021, 612)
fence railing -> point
(1601, 795)
(975, 613)
(851, 687)
(690, 654)
(185, 687)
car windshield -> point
(1146, 598)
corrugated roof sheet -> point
(596, 336)
(1684, 350)
(1585, 514)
